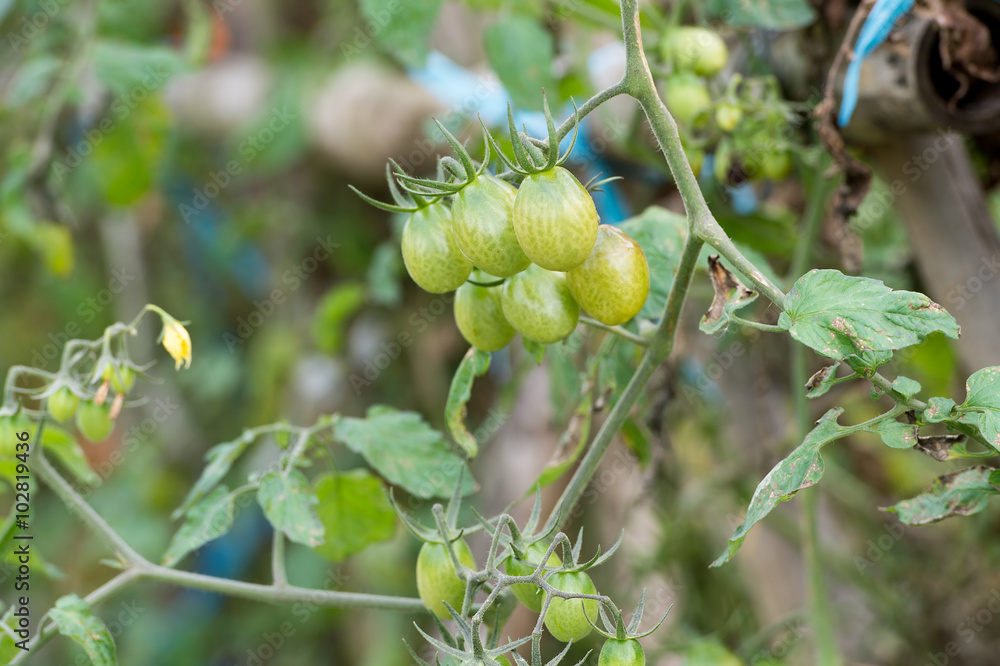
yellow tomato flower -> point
(177, 342)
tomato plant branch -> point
(617, 330)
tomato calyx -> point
(529, 158)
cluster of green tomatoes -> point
(523, 259)
(742, 124)
(566, 619)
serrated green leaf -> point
(769, 14)
(220, 460)
(661, 234)
(405, 451)
(840, 316)
(520, 51)
(68, 451)
(872, 360)
(895, 434)
(404, 28)
(474, 364)
(128, 67)
(802, 468)
(983, 398)
(959, 494)
(355, 513)
(207, 520)
(290, 506)
(74, 619)
(906, 387)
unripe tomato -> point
(555, 219)
(776, 165)
(483, 214)
(697, 50)
(539, 305)
(528, 594)
(728, 116)
(622, 653)
(123, 380)
(565, 619)
(687, 97)
(94, 421)
(437, 580)
(430, 252)
(612, 284)
(480, 318)
(62, 404)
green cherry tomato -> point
(480, 318)
(566, 619)
(528, 594)
(728, 116)
(687, 97)
(437, 580)
(94, 421)
(483, 214)
(62, 404)
(123, 380)
(430, 252)
(539, 305)
(612, 284)
(776, 165)
(622, 653)
(555, 219)
(697, 50)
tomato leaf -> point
(73, 618)
(770, 14)
(895, 434)
(939, 409)
(520, 51)
(730, 295)
(290, 506)
(474, 364)
(983, 398)
(206, 521)
(220, 459)
(355, 513)
(405, 451)
(959, 494)
(840, 316)
(803, 468)
(404, 28)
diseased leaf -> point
(802, 468)
(840, 316)
(520, 51)
(730, 296)
(220, 459)
(983, 398)
(405, 451)
(404, 28)
(939, 409)
(68, 451)
(207, 520)
(74, 619)
(474, 364)
(290, 506)
(938, 446)
(906, 387)
(822, 381)
(661, 234)
(895, 434)
(959, 494)
(355, 513)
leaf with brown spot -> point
(938, 446)
(730, 296)
(959, 494)
(822, 381)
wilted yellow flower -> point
(177, 342)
